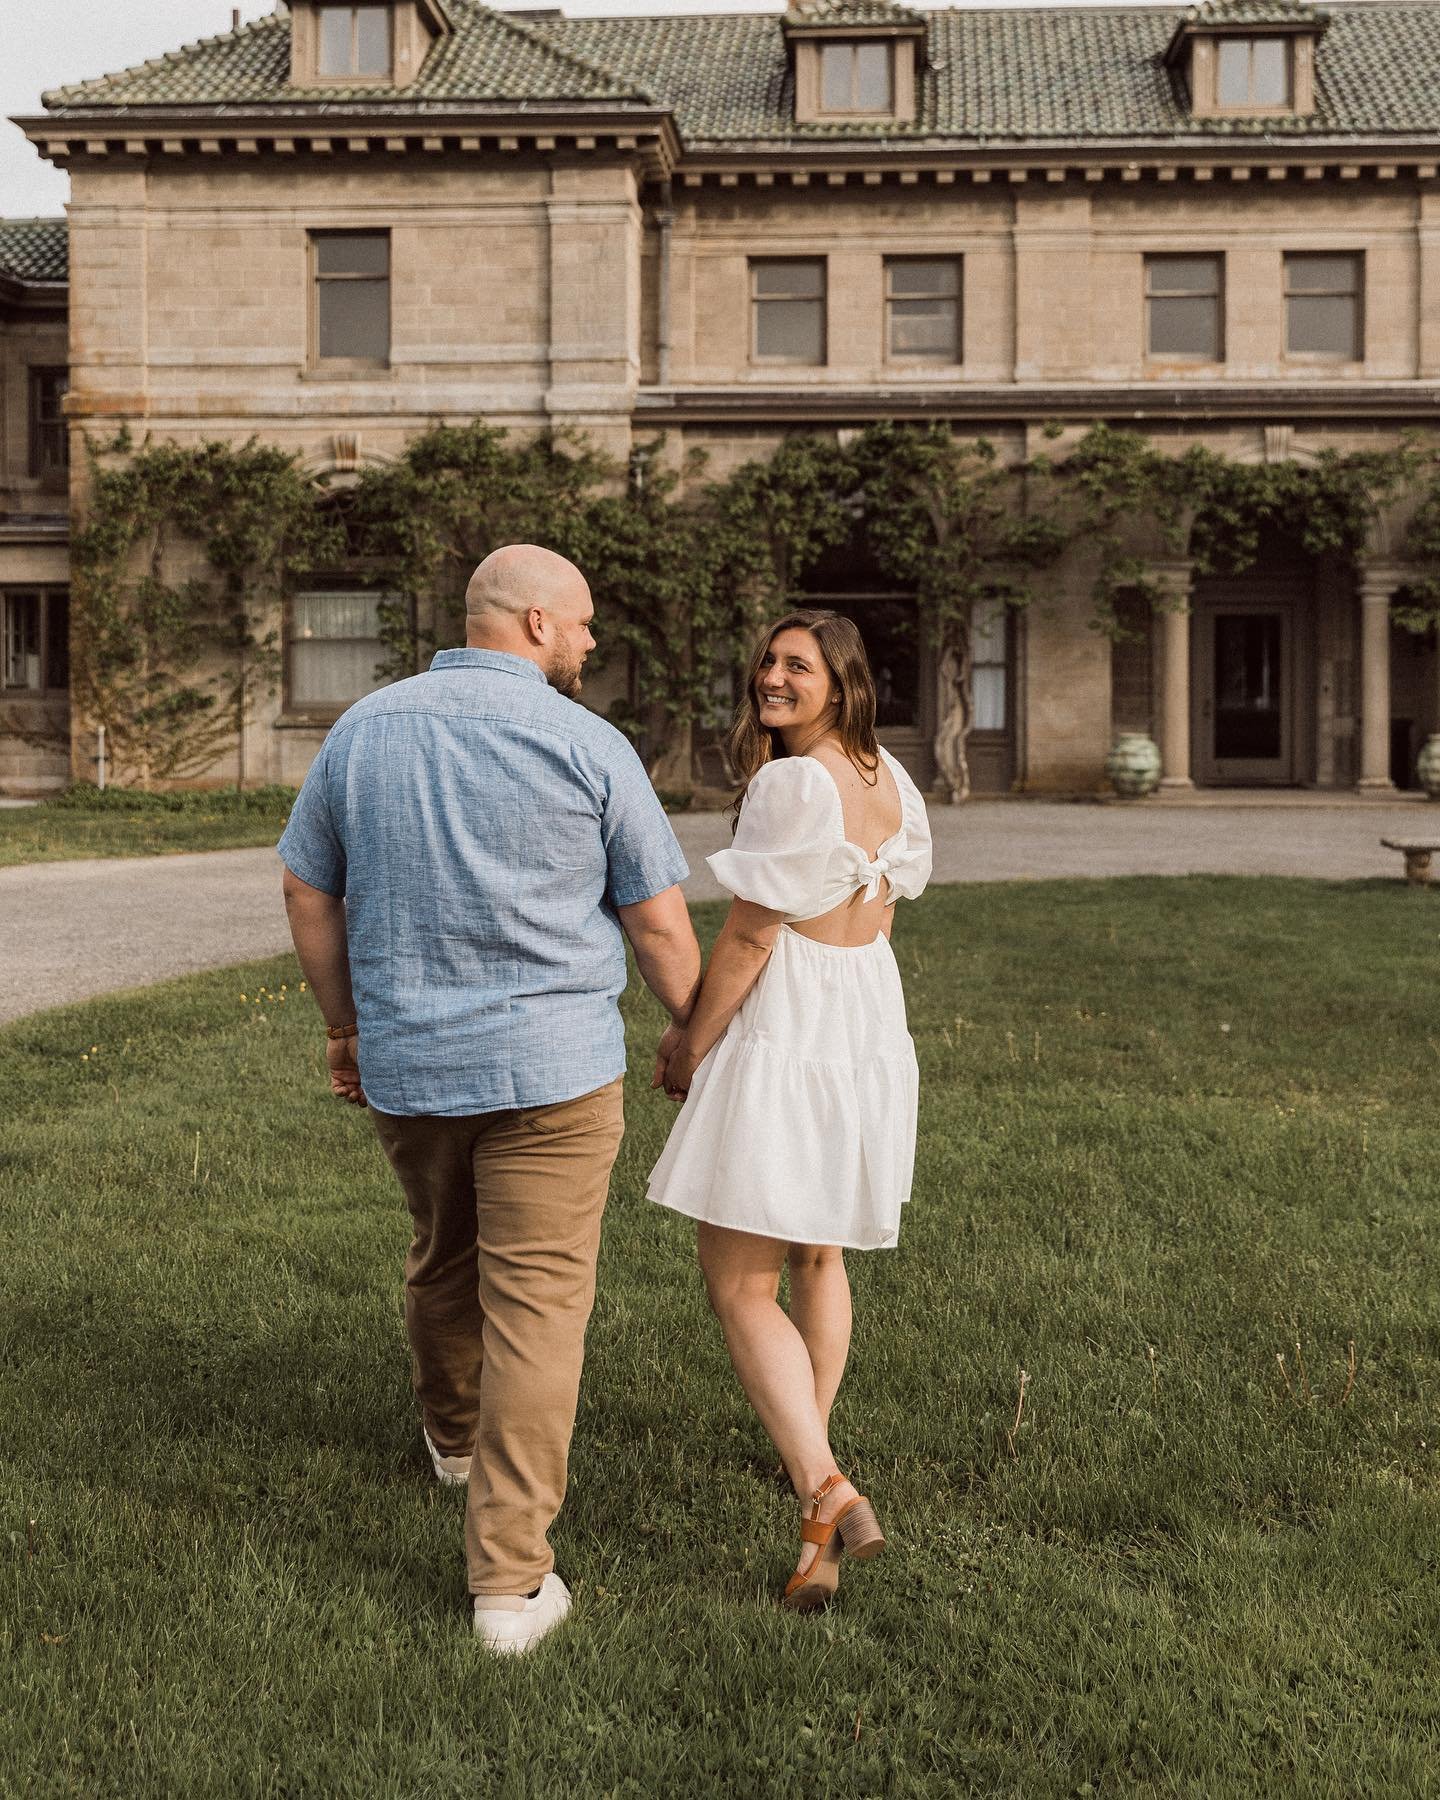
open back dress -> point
(800, 1123)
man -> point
(459, 866)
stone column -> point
(1377, 584)
(1173, 580)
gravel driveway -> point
(76, 929)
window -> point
(36, 649)
(49, 440)
(335, 649)
(989, 646)
(1184, 308)
(355, 40)
(856, 78)
(352, 296)
(922, 307)
(1323, 306)
(787, 300)
(1253, 72)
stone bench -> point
(1417, 853)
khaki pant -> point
(499, 1283)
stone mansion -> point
(343, 223)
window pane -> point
(372, 40)
(353, 253)
(790, 328)
(335, 648)
(1184, 274)
(335, 616)
(835, 77)
(987, 631)
(922, 328)
(354, 319)
(57, 640)
(1269, 73)
(1322, 274)
(22, 641)
(335, 39)
(1323, 325)
(987, 694)
(324, 674)
(1185, 327)
(1232, 81)
(872, 77)
(793, 280)
(924, 277)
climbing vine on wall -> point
(185, 554)
(178, 571)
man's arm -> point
(317, 924)
(668, 958)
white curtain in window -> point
(334, 648)
(987, 680)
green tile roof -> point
(850, 12)
(1255, 12)
(35, 249)
(993, 74)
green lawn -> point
(123, 823)
(1172, 1132)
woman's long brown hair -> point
(751, 745)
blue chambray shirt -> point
(482, 830)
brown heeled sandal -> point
(854, 1528)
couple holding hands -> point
(465, 861)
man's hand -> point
(680, 1069)
(668, 1043)
(340, 1054)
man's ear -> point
(535, 625)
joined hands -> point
(674, 1064)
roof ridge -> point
(36, 219)
(266, 22)
(522, 29)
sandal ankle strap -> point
(830, 1481)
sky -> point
(49, 43)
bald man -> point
(464, 857)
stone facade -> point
(586, 263)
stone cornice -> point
(908, 161)
(1417, 402)
(390, 129)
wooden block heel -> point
(860, 1530)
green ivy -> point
(185, 554)
(178, 568)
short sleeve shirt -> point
(482, 830)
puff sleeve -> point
(789, 827)
(910, 870)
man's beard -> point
(563, 674)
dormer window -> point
(1248, 59)
(854, 59)
(355, 41)
(1253, 73)
(363, 43)
(857, 78)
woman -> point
(797, 1138)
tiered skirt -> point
(800, 1123)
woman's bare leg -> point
(742, 1277)
(820, 1311)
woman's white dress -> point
(800, 1123)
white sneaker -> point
(512, 1633)
(450, 1471)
